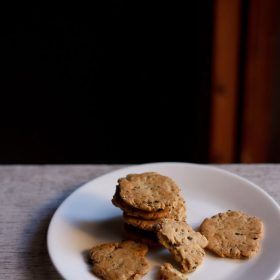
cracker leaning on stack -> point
(186, 245)
(145, 199)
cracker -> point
(131, 211)
(168, 272)
(183, 242)
(140, 223)
(148, 191)
(118, 261)
(176, 212)
(233, 234)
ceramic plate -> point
(87, 217)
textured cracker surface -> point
(168, 272)
(233, 234)
(120, 261)
(148, 191)
(131, 211)
(140, 223)
(176, 212)
(183, 242)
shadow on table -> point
(37, 261)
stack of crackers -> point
(154, 214)
(145, 199)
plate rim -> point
(131, 167)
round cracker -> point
(148, 191)
(131, 211)
(233, 234)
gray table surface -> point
(31, 194)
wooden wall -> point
(245, 51)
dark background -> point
(117, 82)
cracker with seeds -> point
(183, 242)
(176, 212)
(131, 211)
(148, 191)
(140, 223)
(168, 272)
(119, 261)
(233, 234)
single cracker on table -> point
(131, 211)
(176, 212)
(233, 234)
(183, 242)
(148, 191)
(168, 272)
(119, 261)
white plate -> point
(87, 217)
